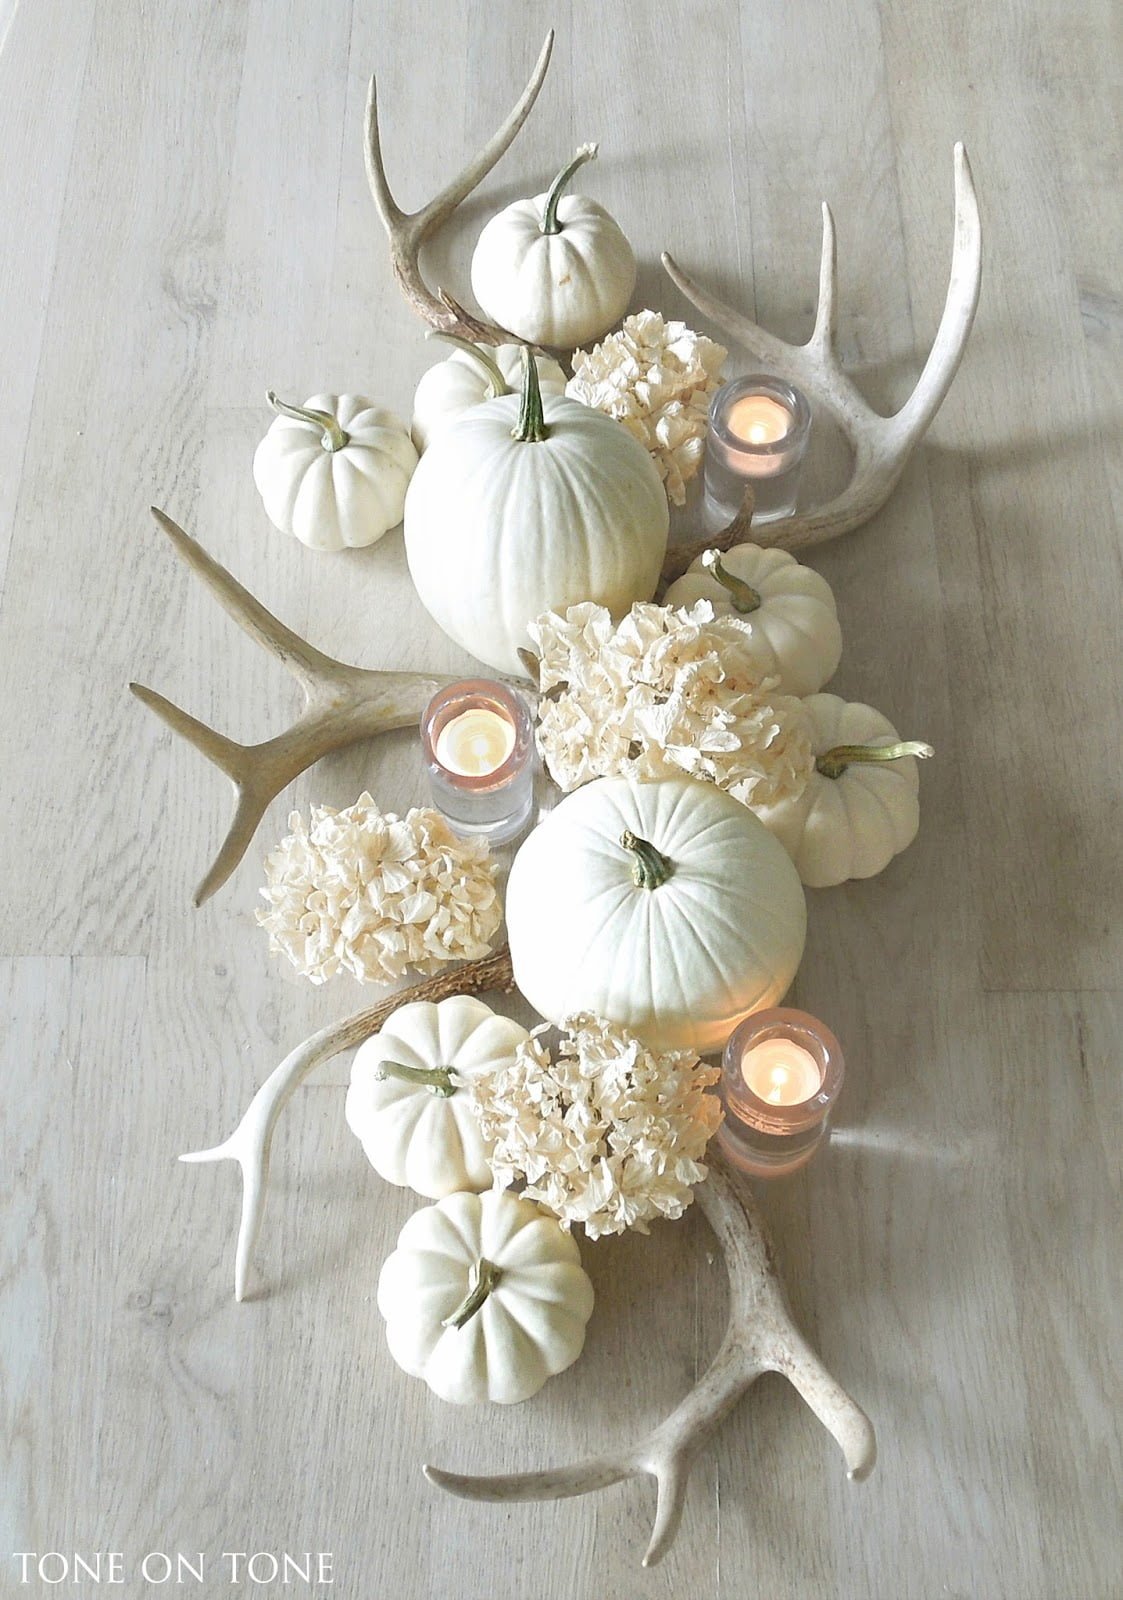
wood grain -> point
(187, 223)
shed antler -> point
(408, 230)
(881, 445)
(761, 1337)
(343, 704)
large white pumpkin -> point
(469, 376)
(859, 809)
(666, 907)
(527, 505)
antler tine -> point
(251, 1140)
(826, 321)
(408, 230)
(761, 1338)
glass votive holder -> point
(780, 1077)
(758, 433)
(477, 742)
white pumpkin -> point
(408, 1102)
(468, 377)
(334, 471)
(556, 270)
(664, 906)
(527, 505)
(788, 610)
(860, 807)
(485, 1298)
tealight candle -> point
(478, 744)
(758, 433)
(781, 1075)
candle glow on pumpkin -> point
(475, 743)
(781, 1072)
(758, 419)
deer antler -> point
(249, 1144)
(343, 704)
(761, 1337)
(408, 230)
(882, 445)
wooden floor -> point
(186, 223)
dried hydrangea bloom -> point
(378, 896)
(661, 693)
(656, 378)
(605, 1132)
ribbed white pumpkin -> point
(334, 472)
(850, 825)
(527, 505)
(679, 961)
(556, 270)
(408, 1102)
(788, 610)
(508, 1274)
(468, 377)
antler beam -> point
(408, 230)
(761, 1337)
(881, 445)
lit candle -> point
(478, 744)
(780, 1077)
(781, 1072)
(475, 742)
(758, 433)
(758, 419)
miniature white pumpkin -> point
(408, 1102)
(556, 270)
(528, 505)
(860, 807)
(469, 376)
(485, 1298)
(664, 907)
(334, 471)
(788, 610)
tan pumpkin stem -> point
(550, 223)
(833, 763)
(439, 1080)
(482, 1278)
(335, 437)
(743, 597)
(497, 383)
(650, 867)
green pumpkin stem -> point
(481, 1281)
(550, 223)
(437, 1079)
(833, 763)
(650, 867)
(742, 595)
(334, 436)
(531, 427)
(496, 382)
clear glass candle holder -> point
(778, 1099)
(758, 433)
(477, 741)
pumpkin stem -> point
(651, 867)
(334, 436)
(531, 427)
(437, 1079)
(833, 763)
(497, 383)
(742, 595)
(481, 1281)
(550, 223)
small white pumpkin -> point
(485, 1298)
(556, 270)
(528, 505)
(788, 610)
(860, 807)
(334, 471)
(408, 1102)
(664, 907)
(472, 374)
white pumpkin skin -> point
(561, 288)
(460, 382)
(413, 1135)
(333, 499)
(679, 964)
(498, 530)
(793, 632)
(532, 1323)
(853, 825)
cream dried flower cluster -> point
(664, 692)
(376, 896)
(656, 378)
(605, 1132)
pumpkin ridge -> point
(702, 944)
